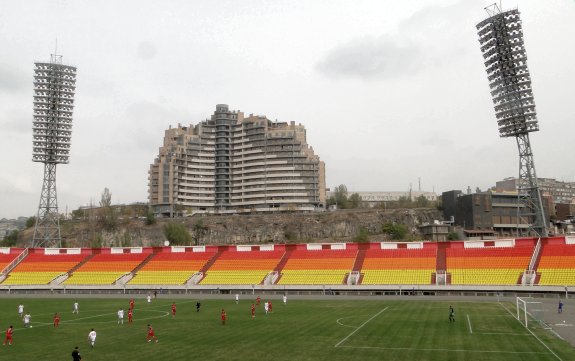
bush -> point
(362, 235)
(396, 231)
(177, 234)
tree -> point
(422, 202)
(177, 234)
(106, 214)
(106, 200)
(396, 231)
(150, 218)
(10, 239)
(30, 222)
(339, 197)
(354, 201)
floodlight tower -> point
(54, 87)
(501, 39)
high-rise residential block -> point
(232, 163)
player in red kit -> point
(173, 310)
(223, 317)
(270, 306)
(258, 300)
(151, 334)
(56, 319)
(131, 303)
(253, 310)
(9, 336)
(130, 315)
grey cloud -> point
(372, 57)
(17, 123)
(12, 80)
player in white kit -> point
(121, 316)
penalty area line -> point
(359, 328)
(469, 323)
(534, 335)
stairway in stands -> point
(143, 263)
(441, 262)
(82, 263)
(281, 264)
(212, 260)
(358, 264)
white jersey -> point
(27, 318)
(20, 309)
(121, 314)
(285, 299)
(76, 306)
(149, 298)
(237, 297)
(92, 336)
(266, 307)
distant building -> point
(231, 163)
(487, 214)
(435, 231)
(372, 199)
(562, 192)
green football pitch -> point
(301, 330)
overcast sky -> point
(389, 91)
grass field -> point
(301, 330)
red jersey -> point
(9, 332)
(258, 301)
(223, 315)
(131, 304)
(150, 331)
(173, 308)
(130, 314)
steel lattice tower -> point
(54, 87)
(501, 39)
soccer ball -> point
(33, 326)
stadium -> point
(368, 301)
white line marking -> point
(502, 333)
(341, 324)
(357, 329)
(444, 350)
(469, 323)
(531, 332)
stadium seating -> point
(171, 268)
(7, 258)
(317, 267)
(247, 267)
(557, 264)
(105, 268)
(398, 266)
(40, 268)
(488, 265)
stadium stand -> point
(556, 266)
(401, 266)
(7, 255)
(106, 268)
(242, 267)
(318, 266)
(172, 268)
(504, 262)
(486, 263)
(39, 268)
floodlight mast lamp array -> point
(501, 39)
(54, 88)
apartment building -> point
(562, 192)
(231, 163)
